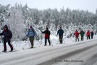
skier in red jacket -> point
(47, 36)
(88, 34)
(76, 35)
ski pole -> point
(41, 41)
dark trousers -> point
(91, 37)
(88, 37)
(8, 44)
(82, 38)
(76, 39)
(31, 41)
(48, 41)
(61, 39)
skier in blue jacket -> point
(31, 34)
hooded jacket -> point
(6, 33)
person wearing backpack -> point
(60, 33)
(7, 38)
(31, 34)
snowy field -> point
(40, 53)
(24, 45)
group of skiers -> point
(31, 33)
(89, 34)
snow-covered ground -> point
(38, 53)
(22, 45)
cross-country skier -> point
(88, 34)
(76, 35)
(7, 38)
(60, 33)
(92, 34)
(31, 34)
(47, 36)
(82, 35)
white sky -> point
(90, 5)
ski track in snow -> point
(82, 52)
(45, 55)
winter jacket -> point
(88, 33)
(47, 33)
(31, 32)
(92, 33)
(76, 34)
(60, 32)
(7, 35)
(82, 33)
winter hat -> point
(30, 26)
(60, 27)
(46, 28)
(5, 27)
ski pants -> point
(77, 38)
(61, 39)
(88, 37)
(82, 38)
(31, 41)
(48, 41)
(91, 36)
(8, 44)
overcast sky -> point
(90, 5)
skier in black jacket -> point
(60, 32)
(92, 34)
(47, 36)
(7, 38)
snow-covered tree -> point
(19, 18)
(16, 23)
